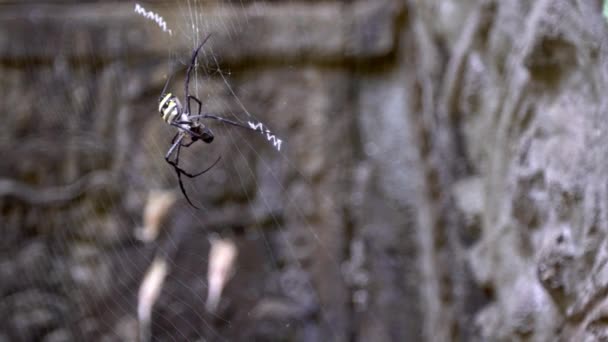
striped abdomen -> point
(169, 108)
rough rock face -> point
(443, 178)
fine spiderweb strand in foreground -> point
(243, 141)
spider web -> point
(258, 174)
(85, 252)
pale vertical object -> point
(149, 291)
(157, 207)
(222, 256)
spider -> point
(189, 125)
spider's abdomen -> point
(169, 108)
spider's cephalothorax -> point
(171, 110)
(189, 125)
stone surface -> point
(442, 177)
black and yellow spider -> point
(188, 125)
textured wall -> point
(443, 176)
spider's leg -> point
(252, 127)
(205, 170)
(190, 67)
(200, 105)
(178, 123)
(189, 144)
(181, 186)
(189, 131)
(181, 172)
(174, 137)
(228, 121)
(177, 145)
(190, 175)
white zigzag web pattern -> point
(271, 137)
(154, 17)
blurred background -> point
(442, 175)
